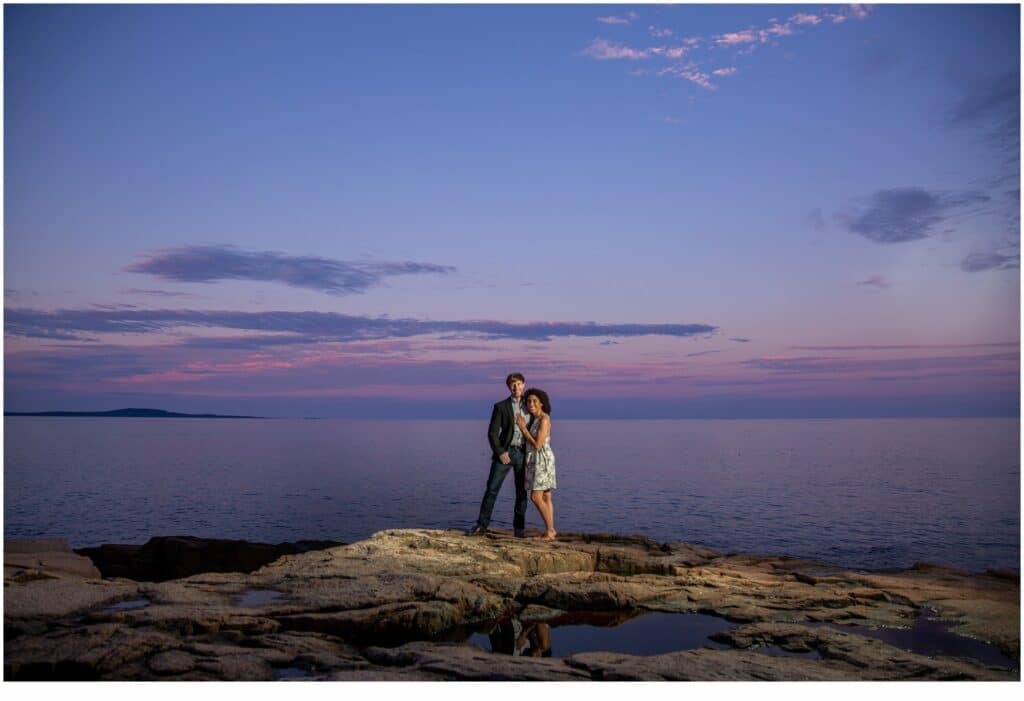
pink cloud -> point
(855, 11)
(675, 52)
(603, 50)
(917, 346)
(860, 11)
(878, 281)
(689, 72)
(747, 36)
(776, 30)
(724, 71)
(804, 18)
(611, 19)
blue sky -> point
(218, 208)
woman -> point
(540, 460)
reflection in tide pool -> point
(931, 636)
(625, 632)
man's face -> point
(516, 388)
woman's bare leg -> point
(551, 514)
(542, 506)
(551, 533)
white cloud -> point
(731, 70)
(660, 33)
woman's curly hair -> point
(540, 394)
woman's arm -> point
(525, 430)
(542, 432)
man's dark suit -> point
(499, 435)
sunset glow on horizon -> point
(649, 210)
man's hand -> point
(504, 458)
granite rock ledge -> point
(403, 604)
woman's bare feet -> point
(549, 535)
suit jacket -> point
(501, 428)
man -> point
(507, 451)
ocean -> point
(862, 493)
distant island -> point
(135, 413)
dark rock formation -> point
(174, 557)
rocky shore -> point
(439, 605)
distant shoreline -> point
(130, 413)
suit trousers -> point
(494, 481)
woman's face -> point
(533, 404)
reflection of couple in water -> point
(525, 447)
(511, 637)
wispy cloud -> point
(776, 29)
(804, 18)
(1000, 362)
(80, 324)
(876, 281)
(217, 263)
(700, 353)
(917, 346)
(906, 214)
(747, 36)
(860, 11)
(740, 340)
(745, 40)
(993, 96)
(604, 50)
(612, 19)
(155, 293)
(978, 262)
(849, 12)
(691, 73)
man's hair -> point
(540, 394)
(514, 376)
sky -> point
(652, 211)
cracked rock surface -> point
(403, 604)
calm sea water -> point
(858, 493)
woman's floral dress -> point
(540, 464)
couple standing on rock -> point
(525, 447)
